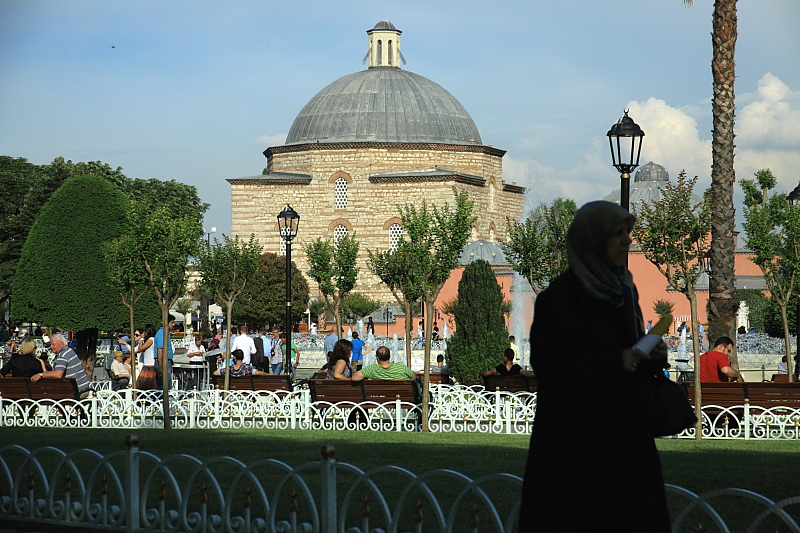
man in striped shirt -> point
(66, 365)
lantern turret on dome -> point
(384, 46)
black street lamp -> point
(208, 235)
(288, 221)
(793, 197)
(625, 127)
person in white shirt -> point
(244, 343)
(513, 340)
(197, 353)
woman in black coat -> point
(25, 363)
(592, 463)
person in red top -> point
(715, 366)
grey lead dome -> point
(383, 104)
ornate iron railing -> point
(135, 491)
(452, 409)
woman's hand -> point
(631, 358)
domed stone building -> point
(365, 144)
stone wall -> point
(371, 207)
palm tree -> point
(721, 304)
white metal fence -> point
(134, 491)
(452, 409)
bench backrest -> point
(509, 383)
(780, 378)
(722, 394)
(282, 382)
(44, 389)
(439, 379)
(335, 390)
(771, 394)
(384, 390)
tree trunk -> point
(163, 362)
(87, 349)
(787, 341)
(228, 341)
(337, 316)
(722, 312)
(698, 393)
(426, 368)
(407, 308)
(132, 346)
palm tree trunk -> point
(721, 307)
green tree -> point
(32, 185)
(436, 238)
(481, 336)
(334, 269)
(773, 234)
(59, 280)
(537, 247)
(663, 308)
(129, 277)
(721, 310)
(264, 298)
(167, 242)
(356, 306)
(396, 269)
(228, 267)
(673, 234)
(317, 308)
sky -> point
(196, 90)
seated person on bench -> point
(121, 371)
(508, 368)
(66, 365)
(239, 369)
(384, 369)
(715, 366)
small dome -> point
(488, 251)
(384, 25)
(651, 172)
(646, 186)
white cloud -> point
(671, 138)
(772, 119)
(270, 140)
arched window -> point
(474, 233)
(339, 232)
(491, 196)
(395, 232)
(380, 51)
(491, 234)
(341, 194)
(389, 61)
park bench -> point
(780, 378)
(270, 383)
(770, 395)
(509, 383)
(372, 390)
(44, 389)
(721, 394)
(438, 379)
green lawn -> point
(767, 467)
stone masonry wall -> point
(371, 207)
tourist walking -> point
(592, 463)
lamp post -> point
(288, 221)
(625, 128)
(208, 235)
(387, 316)
(793, 197)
